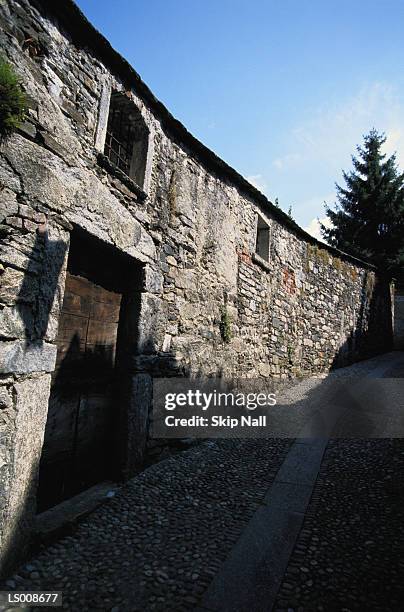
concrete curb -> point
(251, 576)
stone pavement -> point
(349, 553)
(159, 542)
(169, 534)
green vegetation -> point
(320, 256)
(12, 101)
(225, 325)
(172, 194)
(290, 209)
(368, 218)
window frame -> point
(101, 136)
(258, 251)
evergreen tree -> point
(368, 218)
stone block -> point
(17, 285)
(29, 213)
(166, 343)
(264, 369)
(53, 145)
(139, 406)
(171, 260)
(8, 203)
(8, 179)
(6, 400)
(151, 321)
(185, 279)
(31, 406)
(153, 280)
(16, 256)
(16, 321)
(15, 222)
(98, 211)
(21, 357)
(46, 178)
(28, 129)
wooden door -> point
(77, 451)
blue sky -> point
(282, 90)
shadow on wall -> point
(347, 404)
(34, 304)
(80, 423)
(373, 332)
(40, 285)
(81, 365)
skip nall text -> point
(207, 402)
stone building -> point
(128, 251)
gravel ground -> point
(349, 554)
(158, 543)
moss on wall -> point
(12, 101)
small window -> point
(127, 138)
(262, 244)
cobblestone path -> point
(349, 554)
(160, 541)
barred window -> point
(127, 137)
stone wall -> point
(399, 320)
(192, 228)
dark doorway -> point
(96, 333)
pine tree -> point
(368, 218)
